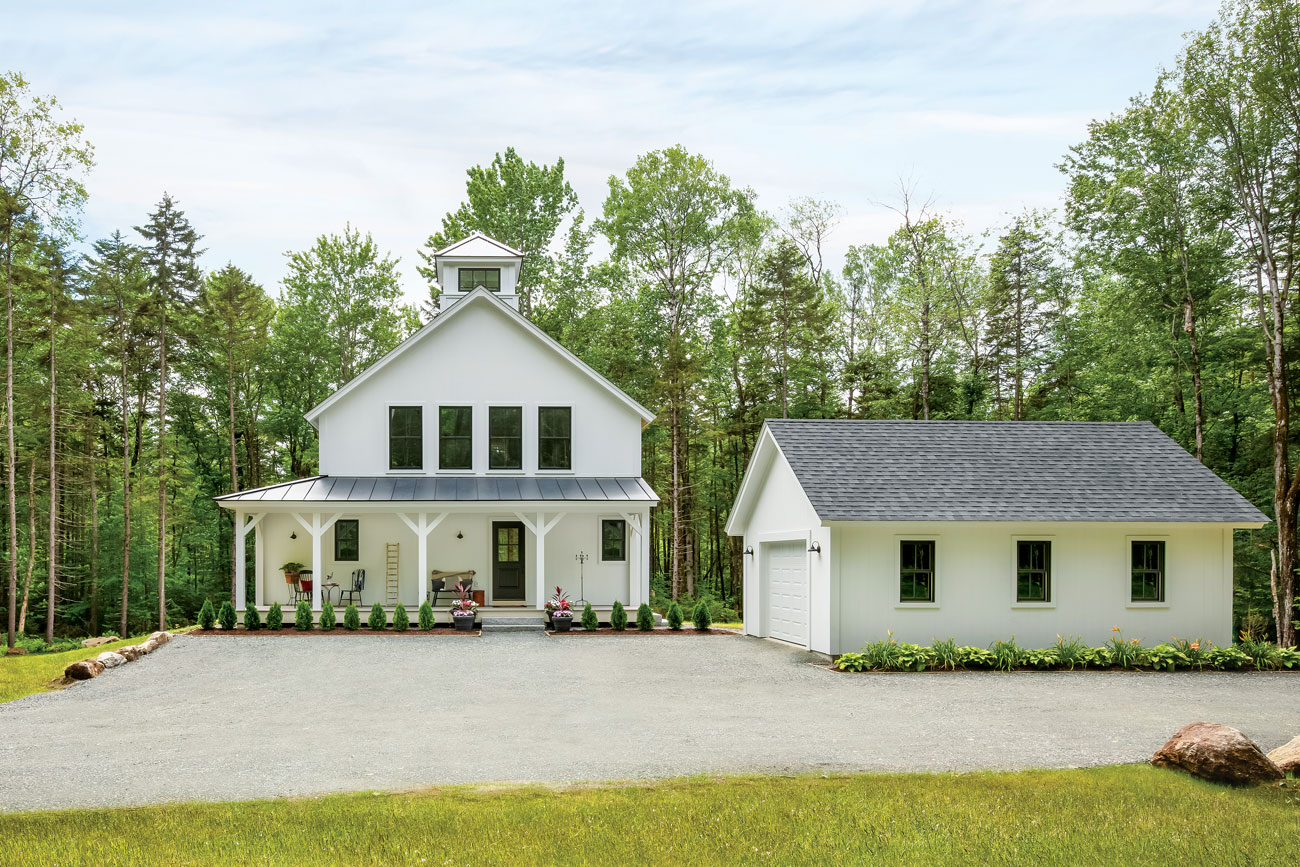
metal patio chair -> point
(358, 584)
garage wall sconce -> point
(815, 548)
(749, 551)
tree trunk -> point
(126, 481)
(1285, 484)
(234, 468)
(162, 473)
(94, 532)
(52, 553)
(11, 452)
(31, 545)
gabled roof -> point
(1001, 471)
(448, 489)
(478, 296)
(478, 245)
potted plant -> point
(464, 610)
(291, 570)
(560, 611)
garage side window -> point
(1033, 571)
(1148, 573)
(916, 570)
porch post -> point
(540, 535)
(240, 556)
(635, 569)
(317, 563)
(422, 527)
(259, 567)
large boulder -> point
(1287, 756)
(111, 659)
(1218, 753)
(16, 651)
(131, 652)
(160, 637)
(84, 670)
(148, 646)
(95, 642)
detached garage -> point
(983, 530)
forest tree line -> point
(139, 386)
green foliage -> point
(976, 657)
(1039, 658)
(1228, 658)
(302, 617)
(1124, 652)
(425, 616)
(674, 617)
(401, 620)
(892, 655)
(589, 620)
(1164, 657)
(207, 617)
(378, 620)
(1006, 655)
(252, 620)
(351, 619)
(618, 617)
(945, 655)
(274, 616)
(1263, 655)
(1071, 651)
(700, 616)
(328, 619)
(645, 619)
(226, 616)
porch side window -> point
(455, 438)
(347, 540)
(472, 278)
(916, 570)
(1148, 572)
(1033, 571)
(405, 437)
(613, 540)
(554, 438)
(505, 438)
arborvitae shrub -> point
(207, 617)
(589, 620)
(327, 619)
(352, 618)
(701, 617)
(674, 617)
(425, 617)
(226, 616)
(400, 619)
(302, 617)
(378, 619)
(618, 617)
(645, 618)
(275, 617)
(252, 620)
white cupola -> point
(478, 262)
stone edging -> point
(85, 669)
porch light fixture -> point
(749, 550)
(293, 535)
(460, 535)
(815, 548)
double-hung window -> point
(613, 540)
(554, 438)
(916, 570)
(405, 438)
(1033, 570)
(505, 438)
(455, 438)
(347, 540)
(1148, 571)
(469, 279)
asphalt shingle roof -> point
(1003, 471)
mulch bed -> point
(663, 630)
(437, 631)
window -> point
(916, 571)
(455, 438)
(1148, 571)
(472, 278)
(613, 541)
(505, 438)
(1033, 571)
(405, 437)
(347, 540)
(554, 438)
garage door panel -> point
(785, 586)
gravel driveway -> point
(221, 718)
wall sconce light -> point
(749, 550)
(460, 535)
(293, 535)
(815, 548)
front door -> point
(507, 560)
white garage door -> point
(785, 585)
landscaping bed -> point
(439, 630)
(660, 630)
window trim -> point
(460, 288)
(522, 438)
(600, 538)
(1129, 602)
(335, 529)
(537, 438)
(388, 413)
(1050, 539)
(472, 447)
(899, 539)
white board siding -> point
(785, 588)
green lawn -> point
(1114, 815)
(24, 675)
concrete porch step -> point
(512, 624)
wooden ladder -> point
(390, 574)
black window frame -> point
(475, 283)
(406, 439)
(543, 440)
(1027, 573)
(496, 439)
(909, 571)
(445, 438)
(622, 540)
(1146, 573)
(355, 524)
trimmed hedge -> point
(618, 617)
(425, 617)
(401, 620)
(207, 616)
(275, 616)
(327, 618)
(675, 617)
(226, 616)
(701, 617)
(378, 621)
(590, 621)
(645, 618)
(302, 617)
(252, 620)
(351, 619)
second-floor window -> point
(505, 438)
(472, 278)
(405, 438)
(455, 438)
(554, 438)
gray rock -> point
(1287, 756)
(95, 642)
(111, 659)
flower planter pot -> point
(562, 624)
(463, 624)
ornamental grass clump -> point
(207, 616)
(351, 619)
(618, 617)
(589, 620)
(645, 618)
(945, 656)
(226, 616)
(701, 617)
(302, 617)
(1006, 654)
(378, 621)
(401, 621)
(675, 617)
(425, 617)
(275, 617)
(327, 618)
(252, 620)
(1070, 652)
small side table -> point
(328, 586)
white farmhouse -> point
(981, 531)
(477, 445)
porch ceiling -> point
(337, 490)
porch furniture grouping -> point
(445, 582)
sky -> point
(273, 123)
